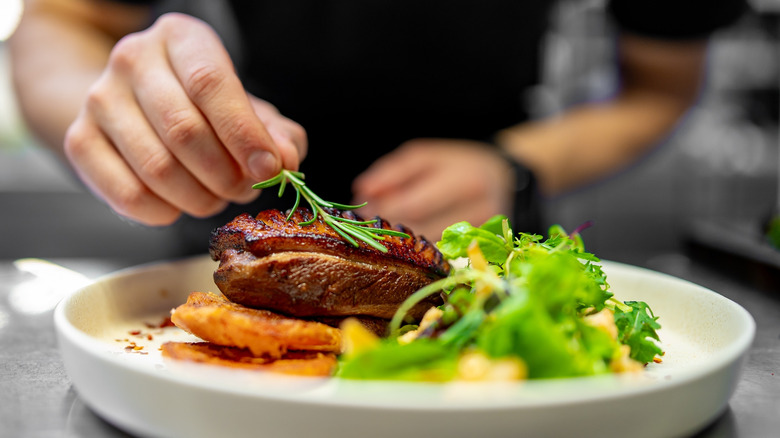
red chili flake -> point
(149, 337)
(135, 332)
(166, 322)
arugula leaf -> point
(637, 329)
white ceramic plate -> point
(705, 335)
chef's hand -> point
(169, 129)
(430, 184)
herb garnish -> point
(351, 230)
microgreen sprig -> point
(351, 230)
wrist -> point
(525, 212)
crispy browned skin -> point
(311, 271)
(299, 363)
(213, 318)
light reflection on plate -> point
(704, 334)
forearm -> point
(592, 140)
(57, 54)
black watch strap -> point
(526, 209)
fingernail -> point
(263, 165)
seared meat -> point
(310, 271)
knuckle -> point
(411, 149)
(76, 142)
(98, 99)
(240, 134)
(181, 128)
(205, 80)
(264, 108)
(129, 199)
(170, 20)
(157, 168)
(174, 21)
(133, 201)
(126, 52)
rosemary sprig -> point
(351, 230)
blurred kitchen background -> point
(714, 181)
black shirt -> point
(362, 77)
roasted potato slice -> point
(299, 363)
(213, 318)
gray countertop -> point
(38, 400)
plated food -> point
(705, 338)
(284, 289)
(514, 306)
(390, 305)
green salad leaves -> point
(519, 307)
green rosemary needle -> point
(351, 230)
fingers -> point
(476, 212)
(104, 171)
(125, 126)
(391, 172)
(206, 73)
(183, 131)
(431, 184)
(417, 179)
(427, 196)
(288, 136)
(168, 128)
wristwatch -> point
(526, 208)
